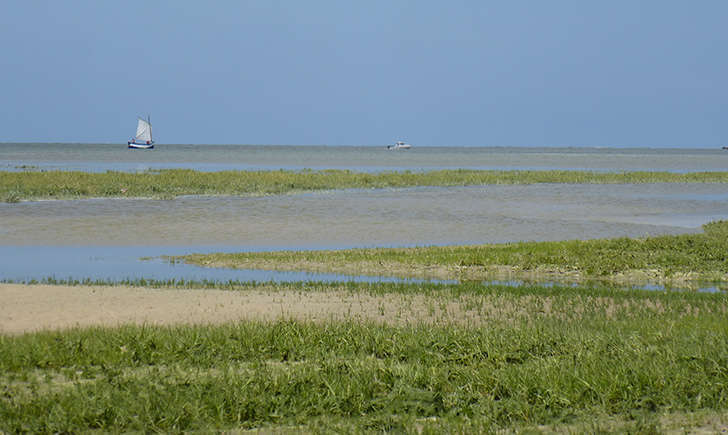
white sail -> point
(144, 131)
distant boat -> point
(725, 148)
(143, 138)
(399, 145)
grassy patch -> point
(592, 368)
(174, 182)
(681, 259)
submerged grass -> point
(674, 258)
(581, 371)
(167, 184)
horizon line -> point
(701, 147)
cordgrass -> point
(168, 184)
(678, 259)
(655, 362)
(429, 289)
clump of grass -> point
(677, 258)
(174, 182)
(11, 196)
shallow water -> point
(130, 263)
(399, 217)
(103, 157)
(104, 238)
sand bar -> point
(27, 308)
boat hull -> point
(138, 146)
(399, 145)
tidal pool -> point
(129, 263)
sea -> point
(125, 239)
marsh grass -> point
(287, 373)
(168, 184)
(629, 357)
(680, 259)
(429, 289)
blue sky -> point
(471, 73)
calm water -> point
(105, 238)
(102, 157)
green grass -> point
(429, 289)
(658, 354)
(167, 184)
(681, 258)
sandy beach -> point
(27, 308)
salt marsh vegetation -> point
(563, 359)
(679, 259)
(170, 183)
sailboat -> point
(143, 138)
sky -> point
(622, 73)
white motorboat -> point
(399, 145)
